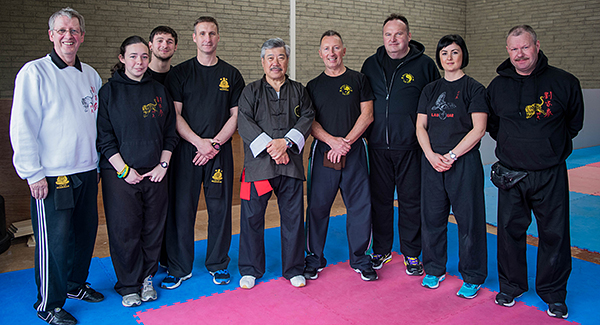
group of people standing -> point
(164, 133)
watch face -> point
(216, 146)
(164, 164)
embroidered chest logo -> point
(542, 109)
(153, 109)
(90, 103)
(408, 78)
(217, 176)
(345, 90)
(443, 107)
(297, 110)
(224, 85)
(62, 182)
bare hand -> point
(283, 160)
(39, 189)
(156, 174)
(200, 160)
(339, 147)
(204, 149)
(276, 148)
(133, 177)
(440, 163)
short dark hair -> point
(163, 30)
(331, 33)
(206, 19)
(520, 29)
(397, 17)
(447, 40)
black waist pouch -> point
(505, 178)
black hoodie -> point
(395, 109)
(534, 118)
(135, 119)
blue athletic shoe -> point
(171, 282)
(432, 281)
(468, 290)
(221, 277)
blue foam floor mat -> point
(17, 293)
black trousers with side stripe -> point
(65, 224)
(353, 182)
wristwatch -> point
(452, 155)
(288, 142)
(216, 145)
(164, 164)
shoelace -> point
(147, 282)
(413, 260)
(470, 285)
(223, 272)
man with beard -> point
(162, 44)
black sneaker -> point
(506, 300)
(310, 273)
(377, 260)
(86, 293)
(57, 316)
(368, 274)
(221, 277)
(413, 266)
(558, 310)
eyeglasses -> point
(74, 32)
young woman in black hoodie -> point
(136, 135)
(451, 120)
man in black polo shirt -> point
(343, 102)
(205, 92)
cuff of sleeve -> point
(297, 138)
(259, 144)
(36, 178)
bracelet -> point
(124, 172)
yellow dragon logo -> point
(536, 109)
(149, 108)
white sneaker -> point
(148, 292)
(247, 282)
(131, 300)
(298, 281)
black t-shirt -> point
(448, 105)
(390, 65)
(337, 100)
(207, 94)
(158, 76)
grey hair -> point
(520, 29)
(69, 13)
(274, 43)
